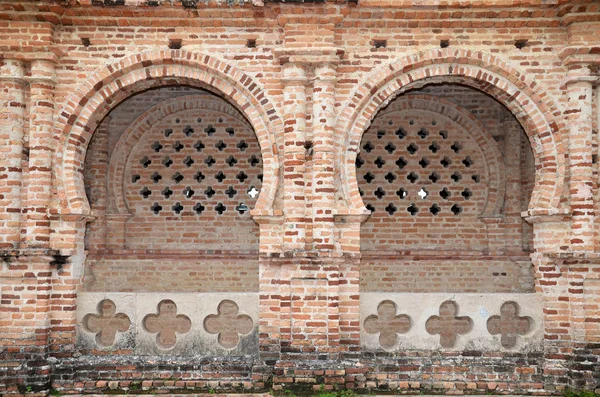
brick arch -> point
(494, 163)
(112, 84)
(144, 123)
(476, 69)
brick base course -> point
(466, 373)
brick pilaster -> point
(26, 273)
(12, 118)
(40, 153)
(26, 277)
(294, 114)
(552, 285)
(323, 157)
(98, 149)
(579, 124)
(514, 190)
(301, 292)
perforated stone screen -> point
(191, 181)
(424, 178)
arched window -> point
(172, 175)
(444, 172)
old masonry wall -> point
(367, 195)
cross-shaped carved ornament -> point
(228, 324)
(106, 325)
(509, 324)
(387, 324)
(448, 325)
(167, 323)
(253, 192)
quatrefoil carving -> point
(509, 324)
(448, 325)
(107, 323)
(387, 324)
(228, 324)
(167, 324)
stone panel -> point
(90, 338)
(471, 313)
(172, 324)
(509, 324)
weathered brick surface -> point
(88, 87)
(430, 176)
(130, 272)
(187, 173)
(450, 272)
(433, 174)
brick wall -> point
(433, 182)
(187, 180)
(424, 272)
(309, 83)
(425, 179)
(122, 116)
(184, 182)
(139, 272)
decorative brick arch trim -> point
(126, 142)
(480, 70)
(100, 93)
(494, 163)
